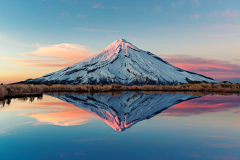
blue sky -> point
(194, 29)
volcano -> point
(122, 63)
(124, 110)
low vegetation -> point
(20, 90)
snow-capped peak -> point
(122, 62)
(122, 43)
(110, 53)
(123, 40)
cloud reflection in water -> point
(122, 110)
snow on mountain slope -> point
(122, 63)
(121, 112)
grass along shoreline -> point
(21, 90)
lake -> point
(120, 125)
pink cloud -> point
(97, 6)
(228, 13)
(55, 113)
(65, 54)
(57, 55)
(196, 16)
(81, 16)
(224, 26)
(173, 4)
(219, 70)
(207, 104)
(223, 35)
(38, 63)
(168, 114)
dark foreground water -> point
(148, 126)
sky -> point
(42, 36)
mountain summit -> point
(122, 63)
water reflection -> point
(205, 127)
(120, 110)
(30, 99)
(207, 104)
(126, 109)
(52, 112)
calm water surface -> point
(127, 125)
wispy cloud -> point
(94, 30)
(100, 5)
(57, 55)
(81, 15)
(180, 3)
(224, 26)
(40, 63)
(222, 35)
(216, 136)
(227, 14)
(195, 2)
(230, 13)
(6, 38)
(213, 68)
(158, 9)
(2, 36)
(64, 14)
(195, 16)
(173, 4)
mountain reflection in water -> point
(124, 110)
(74, 126)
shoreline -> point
(23, 90)
(22, 95)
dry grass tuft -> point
(30, 89)
(19, 90)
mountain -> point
(125, 64)
(123, 111)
